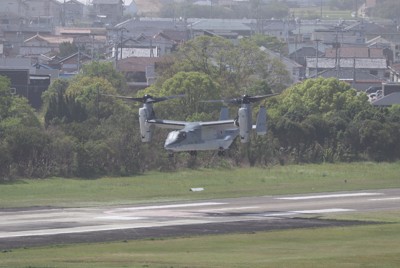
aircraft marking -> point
(327, 196)
(314, 211)
(170, 206)
(226, 209)
(385, 199)
(122, 218)
(329, 210)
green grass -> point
(157, 186)
(362, 246)
(315, 12)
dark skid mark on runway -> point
(33, 208)
(174, 231)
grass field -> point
(375, 245)
(315, 12)
(157, 186)
(362, 246)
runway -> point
(45, 226)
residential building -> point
(354, 52)
(390, 95)
(377, 67)
(338, 36)
(44, 12)
(360, 80)
(281, 29)
(109, 11)
(140, 72)
(300, 55)
(24, 81)
(141, 46)
(73, 63)
(72, 12)
(147, 37)
(392, 44)
(40, 44)
(294, 69)
(232, 29)
(92, 39)
(395, 72)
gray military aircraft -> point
(200, 136)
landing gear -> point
(193, 153)
(221, 152)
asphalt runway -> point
(48, 226)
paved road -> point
(30, 227)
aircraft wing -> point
(218, 123)
(170, 124)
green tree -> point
(320, 96)
(237, 69)
(196, 87)
(5, 97)
(106, 71)
(55, 103)
(318, 114)
(23, 140)
(87, 93)
(270, 42)
(67, 49)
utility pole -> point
(356, 9)
(321, 10)
(122, 39)
(317, 56)
(63, 15)
(337, 53)
(79, 58)
(92, 47)
(118, 44)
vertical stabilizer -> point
(261, 124)
(224, 114)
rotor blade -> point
(243, 99)
(122, 97)
(213, 101)
(165, 98)
(260, 97)
(145, 98)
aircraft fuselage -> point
(195, 137)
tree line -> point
(83, 132)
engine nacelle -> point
(245, 124)
(146, 130)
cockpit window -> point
(181, 136)
(176, 137)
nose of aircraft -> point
(174, 138)
(171, 140)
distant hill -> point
(148, 7)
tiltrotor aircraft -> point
(200, 136)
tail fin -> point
(224, 114)
(261, 124)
